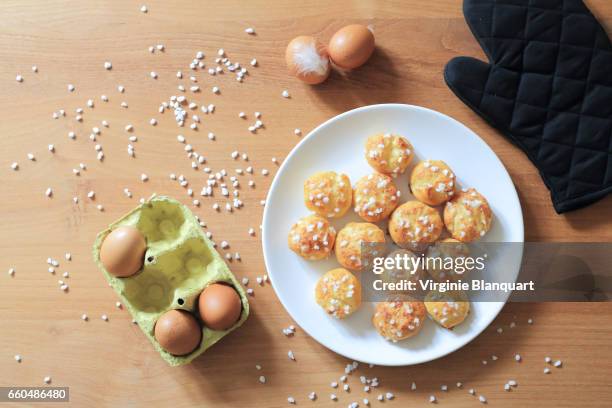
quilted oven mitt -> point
(547, 87)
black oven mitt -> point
(547, 87)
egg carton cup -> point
(179, 263)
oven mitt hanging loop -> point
(547, 87)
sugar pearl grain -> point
(47, 380)
(250, 30)
(285, 94)
(108, 65)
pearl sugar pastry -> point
(415, 224)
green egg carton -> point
(180, 261)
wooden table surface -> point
(111, 363)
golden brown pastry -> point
(388, 154)
(349, 244)
(312, 237)
(397, 321)
(432, 182)
(328, 194)
(338, 292)
(375, 197)
(445, 253)
(468, 215)
(406, 270)
(415, 224)
(448, 309)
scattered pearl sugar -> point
(312, 396)
(15, 166)
(144, 9)
(517, 357)
(482, 399)
(11, 271)
(70, 88)
(47, 380)
(291, 356)
(250, 31)
(291, 400)
(432, 399)
(19, 78)
(262, 379)
(104, 317)
(84, 317)
(558, 363)
(108, 65)
(333, 397)
(547, 359)
(546, 370)
(285, 94)
(18, 358)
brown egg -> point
(178, 332)
(307, 60)
(122, 251)
(220, 306)
(351, 46)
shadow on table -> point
(375, 82)
(213, 368)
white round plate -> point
(338, 145)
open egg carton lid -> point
(179, 263)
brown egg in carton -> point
(169, 276)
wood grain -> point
(110, 363)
